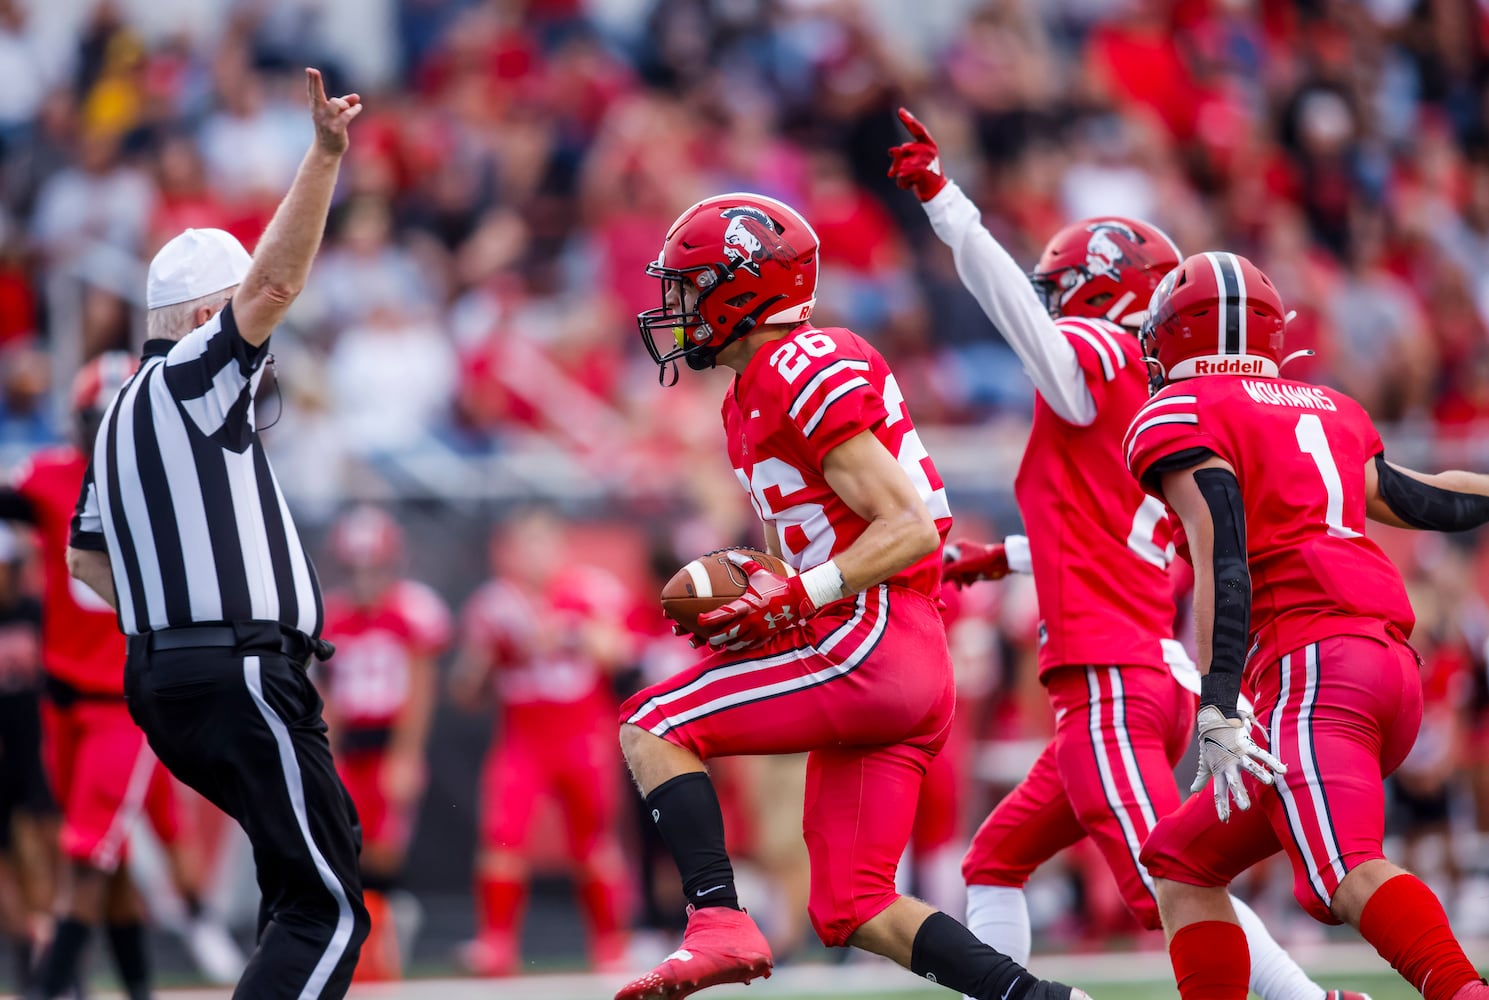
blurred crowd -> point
(519, 163)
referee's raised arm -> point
(282, 260)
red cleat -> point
(720, 946)
(1345, 995)
(1472, 991)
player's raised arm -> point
(993, 277)
(1443, 501)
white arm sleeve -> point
(1003, 290)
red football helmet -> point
(1215, 314)
(366, 537)
(749, 259)
(99, 381)
(1104, 268)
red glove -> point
(771, 605)
(917, 165)
(965, 562)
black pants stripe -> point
(243, 727)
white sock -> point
(1274, 974)
(999, 916)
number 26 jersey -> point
(798, 399)
(1299, 452)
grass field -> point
(1128, 976)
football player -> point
(848, 660)
(102, 770)
(1273, 481)
(380, 693)
(545, 638)
(1099, 549)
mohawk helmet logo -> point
(1103, 253)
(751, 239)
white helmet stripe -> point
(1214, 261)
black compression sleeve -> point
(1221, 687)
(1430, 508)
(1177, 462)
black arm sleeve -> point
(1221, 687)
(1177, 462)
(16, 506)
(1430, 508)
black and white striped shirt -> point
(181, 496)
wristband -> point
(1016, 548)
(823, 584)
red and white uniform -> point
(554, 732)
(1100, 550)
(367, 685)
(866, 683)
(102, 770)
(1336, 685)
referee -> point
(182, 527)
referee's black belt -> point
(293, 643)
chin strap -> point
(1157, 374)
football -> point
(709, 582)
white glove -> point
(1225, 747)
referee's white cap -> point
(196, 263)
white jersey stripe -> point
(831, 672)
(1284, 792)
(832, 397)
(1107, 371)
(1113, 794)
(1167, 418)
(846, 364)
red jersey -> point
(1299, 452)
(798, 399)
(368, 680)
(80, 638)
(1100, 545)
(546, 679)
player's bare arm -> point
(403, 772)
(901, 530)
(470, 674)
(92, 568)
(1442, 501)
(282, 260)
(1207, 499)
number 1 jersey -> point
(798, 399)
(1299, 452)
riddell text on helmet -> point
(1234, 366)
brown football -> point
(709, 582)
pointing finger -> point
(915, 128)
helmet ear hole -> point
(740, 301)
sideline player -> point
(546, 640)
(1099, 549)
(848, 660)
(101, 768)
(1273, 481)
(380, 691)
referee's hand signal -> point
(331, 115)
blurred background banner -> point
(466, 347)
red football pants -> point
(865, 688)
(1108, 774)
(1341, 714)
(102, 770)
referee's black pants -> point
(242, 725)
